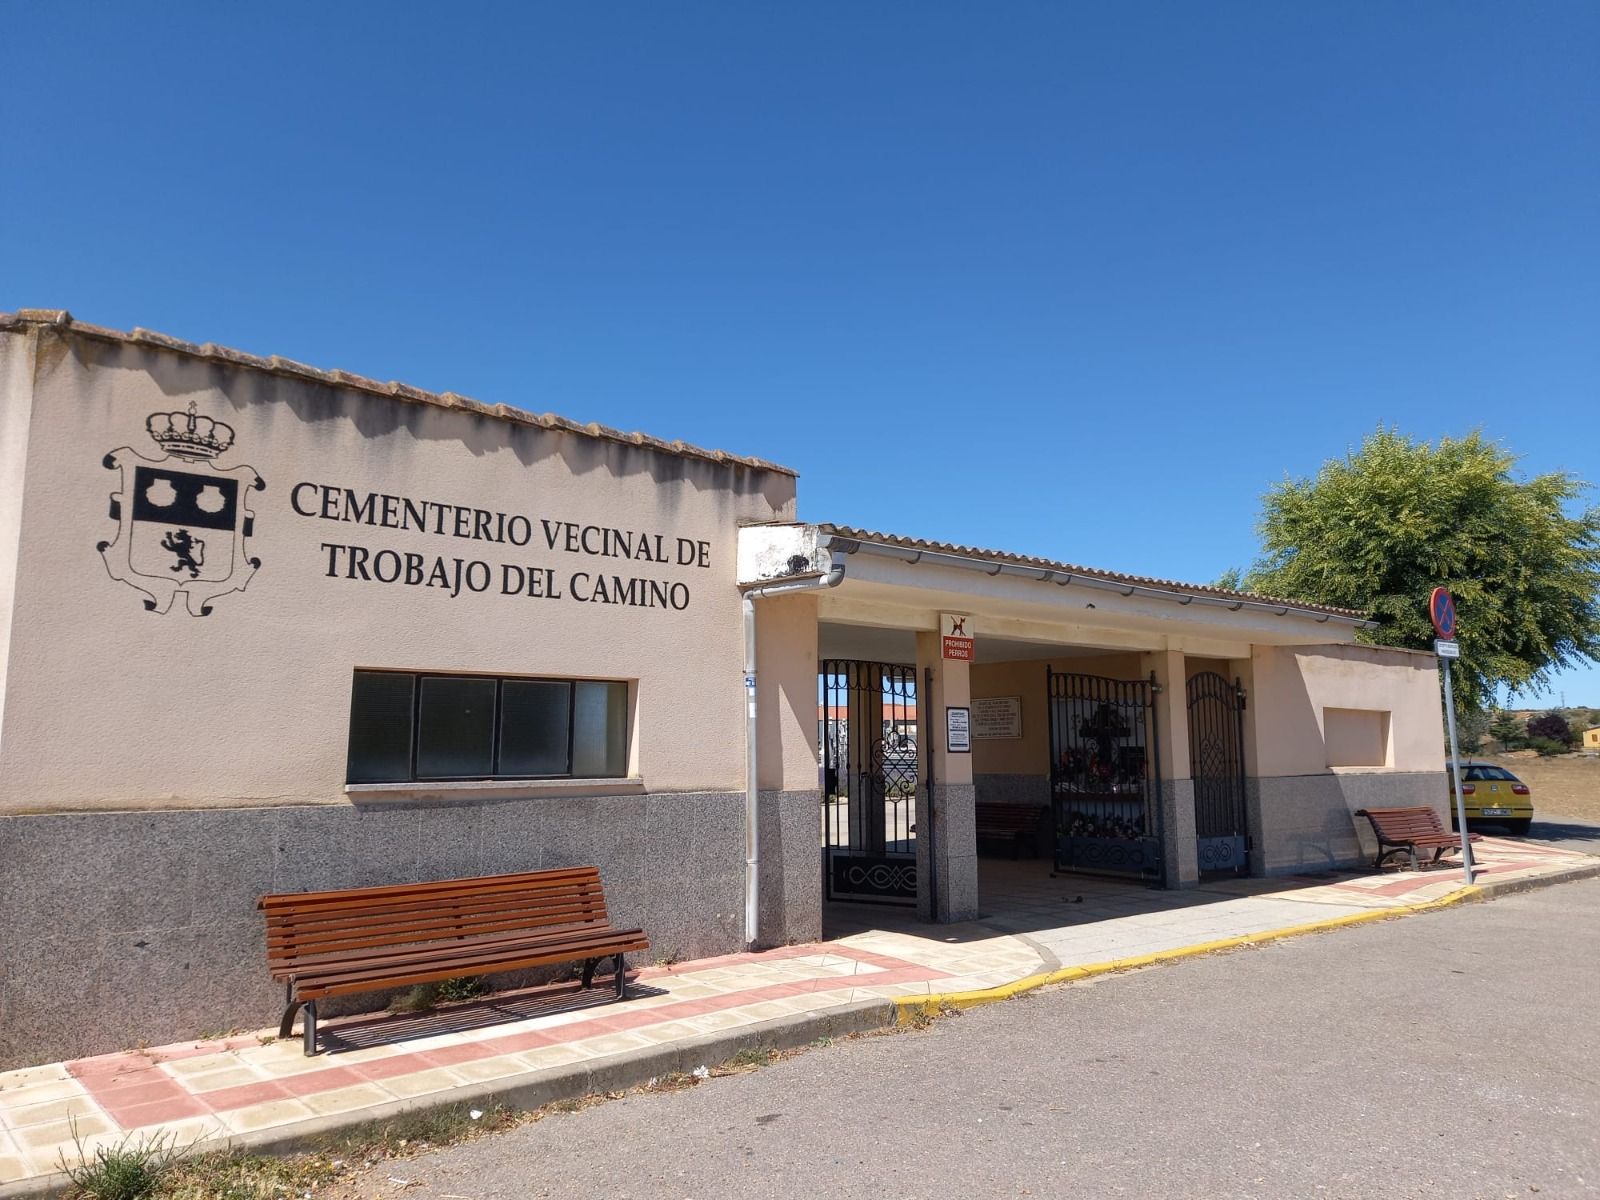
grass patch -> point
(467, 987)
(131, 1169)
(753, 1056)
(426, 997)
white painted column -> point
(1177, 783)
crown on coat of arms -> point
(189, 435)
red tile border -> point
(136, 1092)
(159, 1112)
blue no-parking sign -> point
(1442, 608)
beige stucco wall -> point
(16, 374)
(1030, 754)
(108, 705)
(1292, 687)
(786, 696)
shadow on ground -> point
(357, 1033)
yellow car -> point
(1492, 793)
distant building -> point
(1591, 740)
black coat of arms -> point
(182, 521)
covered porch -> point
(965, 719)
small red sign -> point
(1442, 611)
(958, 648)
(956, 639)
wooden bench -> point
(362, 939)
(1016, 823)
(1407, 830)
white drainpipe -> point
(752, 787)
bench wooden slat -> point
(292, 964)
(439, 924)
(335, 980)
(318, 965)
(336, 942)
(464, 901)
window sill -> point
(490, 789)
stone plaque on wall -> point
(997, 717)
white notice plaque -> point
(958, 730)
(997, 717)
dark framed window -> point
(410, 726)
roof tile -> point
(62, 319)
(851, 533)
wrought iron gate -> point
(1216, 761)
(868, 734)
(1104, 781)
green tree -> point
(1507, 730)
(1379, 529)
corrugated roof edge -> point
(275, 365)
(850, 533)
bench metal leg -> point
(622, 978)
(311, 1027)
(588, 972)
(291, 1006)
(1391, 852)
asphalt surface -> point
(1451, 1054)
(1568, 832)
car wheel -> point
(1519, 828)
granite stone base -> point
(947, 884)
(1307, 823)
(790, 875)
(1013, 789)
(1180, 857)
(117, 928)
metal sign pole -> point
(1455, 773)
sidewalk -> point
(534, 1047)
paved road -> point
(1447, 1055)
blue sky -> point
(1073, 279)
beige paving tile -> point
(612, 1043)
(897, 989)
(13, 1169)
(266, 1115)
(498, 1067)
(30, 1076)
(421, 1083)
(347, 1099)
(554, 1056)
(234, 1076)
(38, 1093)
(767, 1010)
(693, 991)
(204, 1064)
(711, 1022)
(60, 1133)
(667, 1031)
(193, 1131)
(298, 1065)
(23, 1116)
(271, 1052)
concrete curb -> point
(535, 1089)
(910, 1009)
